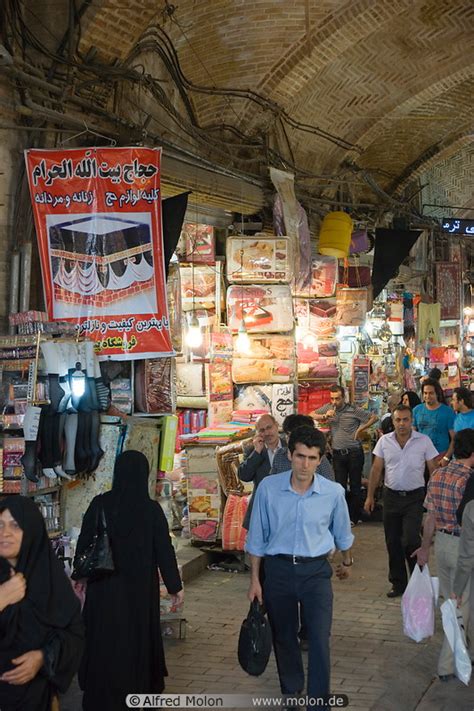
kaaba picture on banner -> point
(103, 262)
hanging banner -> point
(98, 221)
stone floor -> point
(372, 662)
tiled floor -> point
(372, 662)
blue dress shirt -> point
(309, 524)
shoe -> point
(446, 677)
(353, 524)
(394, 593)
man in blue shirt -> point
(435, 419)
(297, 519)
(462, 406)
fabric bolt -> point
(48, 618)
(124, 649)
(435, 423)
(405, 466)
(445, 492)
(402, 517)
(464, 421)
(429, 316)
(308, 525)
(344, 424)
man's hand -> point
(422, 556)
(258, 444)
(330, 414)
(13, 590)
(456, 598)
(358, 434)
(369, 504)
(27, 667)
(177, 600)
(443, 462)
(255, 591)
(343, 571)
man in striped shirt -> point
(347, 423)
(445, 492)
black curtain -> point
(392, 246)
(173, 211)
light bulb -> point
(456, 355)
(242, 342)
(471, 326)
(309, 340)
(194, 334)
(468, 347)
(78, 382)
(369, 328)
(467, 311)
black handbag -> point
(97, 559)
(255, 641)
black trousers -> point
(402, 518)
(309, 584)
(348, 465)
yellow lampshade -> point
(335, 235)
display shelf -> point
(46, 490)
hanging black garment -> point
(124, 650)
(48, 618)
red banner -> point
(98, 221)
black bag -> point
(255, 641)
(97, 560)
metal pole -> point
(25, 276)
(14, 287)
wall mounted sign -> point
(457, 227)
(98, 222)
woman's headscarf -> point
(413, 399)
(48, 617)
(129, 498)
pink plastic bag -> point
(418, 605)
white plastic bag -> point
(455, 636)
(417, 605)
(435, 586)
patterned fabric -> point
(233, 534)
(445, 491)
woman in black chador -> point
(124, 650)
(41, 631)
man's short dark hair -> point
(337, 389)
(464, 444)
(465, 395)
(435, 374)
(291, 422)
(402, 408)
(309, 436)
(437, 387)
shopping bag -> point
(417, 605)
(255, 641)
(452, 626)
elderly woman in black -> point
(41, 632)
(124, 650)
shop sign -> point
(457, 227)
(97, 213)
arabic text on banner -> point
(98, 220)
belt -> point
(449, 533)
(405, 493)
(346, 450)
(297, 559)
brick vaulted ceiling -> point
(394, 78)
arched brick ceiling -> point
(394, 77)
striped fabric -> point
(445, 491)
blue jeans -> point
(287, 585)
(348, 465)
